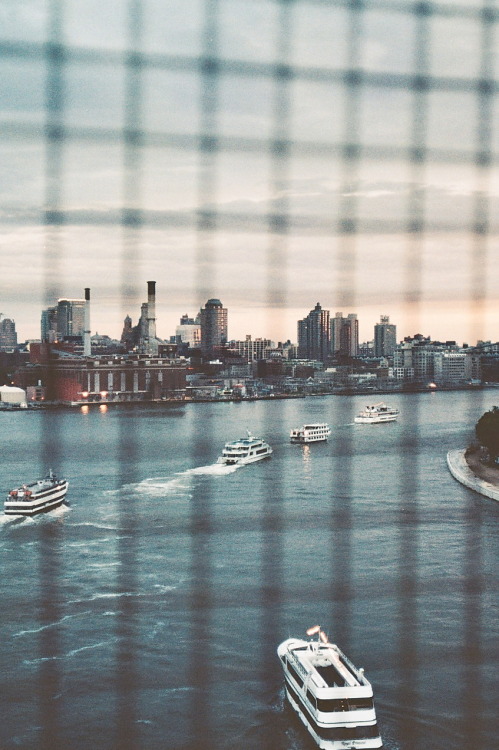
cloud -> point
(268, 190)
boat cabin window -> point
(344, 704)
(311, 699)
(294, 674)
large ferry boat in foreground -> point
(376, 414)
(310, 433)
(332, 697)
(245, 451)
(37, 497)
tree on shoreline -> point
(487, 432)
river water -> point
(146, 614)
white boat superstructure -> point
(310, 433)
(36, 497)
(245, 451)
(376, 414)
(331, 696)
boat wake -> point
(160, 486)
(57, 512)
(72, 653)
(213, 470)
(9, 520)
(38, 518)
(50, 625)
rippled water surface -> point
(146, 613)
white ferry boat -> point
(376, 414)
(36, 497)
(245, 451)
(310, 433)
(332, 697)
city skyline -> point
(269, 192)
(366, 330)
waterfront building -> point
(385, 337)
(213, 320)
(421, 359)
(314, 335)
(8, 335)
(345, 335)
(452, 367)
(105, 379)
(403, 373)
(12, 395)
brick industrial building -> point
(119, 378)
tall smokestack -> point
(87, 350)
(151, 344)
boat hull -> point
(242, 461)
(40, 503)
(304, 440)
(377, 419)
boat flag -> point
(315, 629)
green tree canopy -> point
(487, 431)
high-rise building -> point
(8, 335)
(345, 335)
(350, 336)
(49, 325)
(336, 325)
(385, 337)
(65, 319)
(314, 335)
(213, 319)
(70, 318)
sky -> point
(270, 229)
